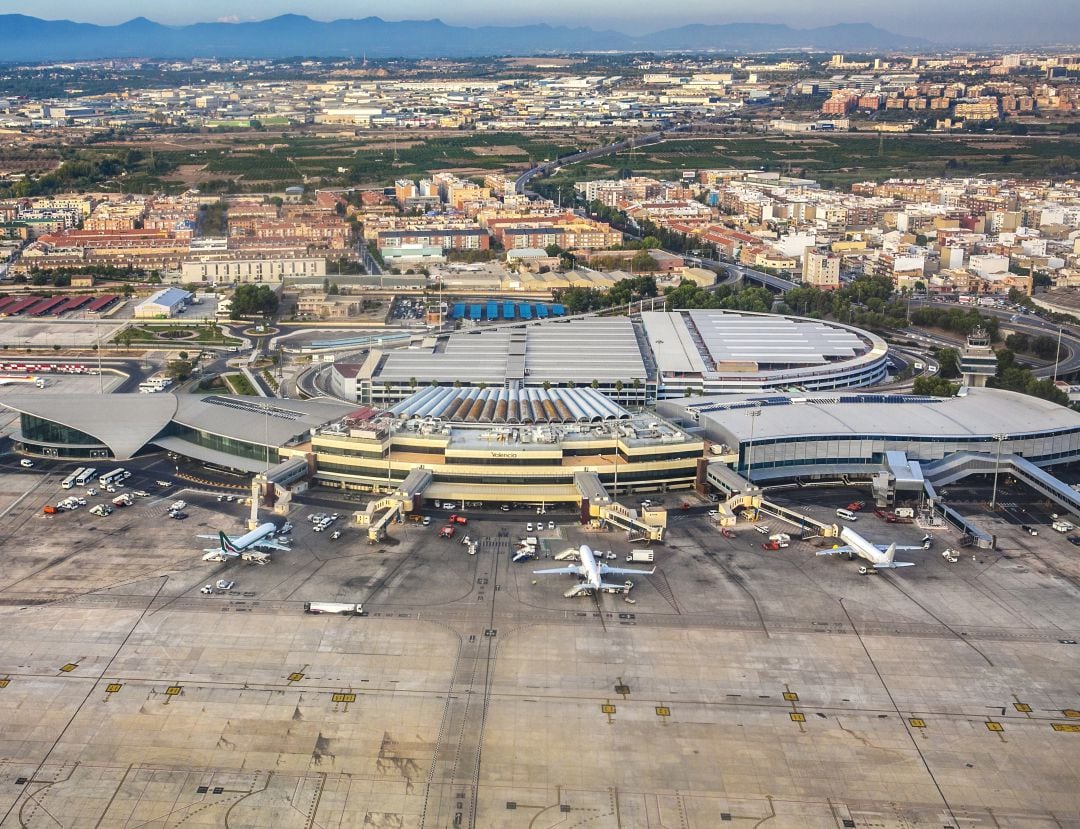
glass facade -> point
(847, 450)
(232, 446)
(39, 430)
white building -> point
(250, 270)
(166, 303)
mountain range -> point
(26, 38)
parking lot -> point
(774, 687)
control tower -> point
(978, 361)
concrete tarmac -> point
(743, 687)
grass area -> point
(239, 384)
(172, 334)
(841, 159)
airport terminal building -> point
(773, 438)
(241, 433)
(483, 444)
(494, 445)
(633, 360)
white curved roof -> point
(123, 422)
(127, 422)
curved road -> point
(1032, 325)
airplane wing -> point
(920, 548)
(895, 564)
(270, 544)
(623, 571)
(572, 570)
(837, 551)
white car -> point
(551, 525)
(26, 462)
(528, 527)
(90, 493)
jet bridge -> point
(400, 501)
(274, 488)
(596, 503)
(739, 494)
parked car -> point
(26, 462)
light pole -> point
(1057, 355)
(997, 467)
(754, 415)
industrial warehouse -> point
(634, 361)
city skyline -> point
(965, 22)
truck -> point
(904, 512)
(774, 545)
(918, 365)
(1063, 526)
(780, 538)
(640, 556)
(447, 531)
(458, 519)
(340, 608)
(124, 500)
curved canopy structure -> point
(217, 428)
(471, 404)
(124, 423)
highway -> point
(1030, 324)
(597, 152)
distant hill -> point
(32, 39)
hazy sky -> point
(953, 21)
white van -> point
(847, 515)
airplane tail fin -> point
(890, 554)
(226, 543)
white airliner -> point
(591, 573)
(251, 546)
(879, 555)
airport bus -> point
(69, 481)
(85, 477)
(112, 477)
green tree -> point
(1044, 347)
(934, 386)
(178, 369)
(1018, 341)
(949, 360)
(254, 300)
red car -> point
(446, 532)
(458, 519)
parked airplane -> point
(879, 555)
(591, 573)
(251, 546)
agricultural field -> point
(840, 159)
(373, 159)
